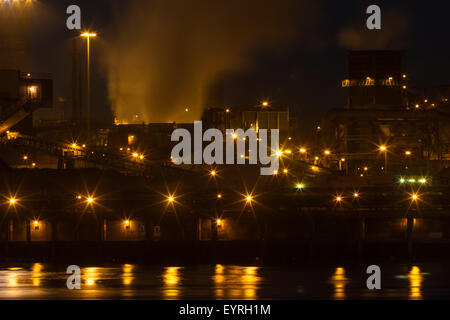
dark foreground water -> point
(399, 281)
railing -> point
(99, 157)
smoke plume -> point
(168, 52)
(392, 35)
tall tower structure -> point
(15, 35)
(376, 80)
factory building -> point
(256, 117)
(376, 80)
(21, 91)
(387, 127)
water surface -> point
(127, 281)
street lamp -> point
(88, 36)
(384, 150)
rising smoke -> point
(392, 35)
(168, 52)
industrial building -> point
(388, 126)
(120, 195)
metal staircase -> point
(23, 109)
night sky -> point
(305, 74)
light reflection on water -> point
(236, 282)
(339, 281)
(172, 287)
(43, 281)
(415, 279)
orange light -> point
(88, 35)
(408, 153)
(90, 200)
(249, 198)
(383, 148)
(302, 150)
(327, 152)
(356, 195)
(219, 196)
(213, 173)
(338, 199)
(12, 201)
(265, 103)
(414, 197)
(170, 199)
(285, 170)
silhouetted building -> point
(376, 80)
(15, 35)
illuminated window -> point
(131, 139)
(33, 92)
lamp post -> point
(88, 36)
(384, 149)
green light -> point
(412, 180)
(423, 180)
(402, 180)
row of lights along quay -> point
(372, 177)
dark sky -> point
(305, 75)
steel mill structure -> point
(372, 178)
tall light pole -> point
(384, 150)
(88, 36)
